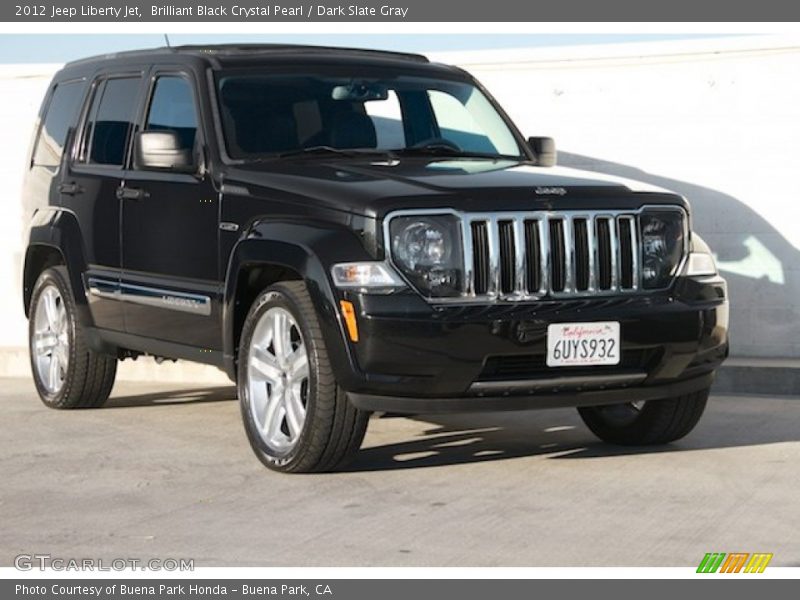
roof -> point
(223, 53)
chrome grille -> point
(522, 256)
(516, 256)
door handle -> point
(126, 193)
(70, 189)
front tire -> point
(66, 372)
(646, 423)
(296, 416)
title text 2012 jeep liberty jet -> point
(345, 231)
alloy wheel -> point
(278, 379)
(50, 342)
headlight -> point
(700, 264)
(662, 234)
(427, 249)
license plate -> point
(577, 344)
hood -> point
(372, 187)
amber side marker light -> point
(349, 312)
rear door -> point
(171, 280)
(89, 188)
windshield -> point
(273, 115)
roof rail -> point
(233, 49)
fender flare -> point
(58, 230)
(309, 249)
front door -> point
(89, 188)
(171, 276)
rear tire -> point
(654, 422)
(297, 418)
(67, 373)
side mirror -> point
(544, 148)
(162, 150)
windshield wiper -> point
(445, 150)
(345, 152)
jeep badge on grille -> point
(550, 191)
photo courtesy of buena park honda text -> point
(399, 299)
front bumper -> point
(554, 399)
(413, 357)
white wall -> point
(718, 121)
(23, 87)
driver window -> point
(172, 107)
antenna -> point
(166, 39)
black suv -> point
(345, 231)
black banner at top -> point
(397, 11)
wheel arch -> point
(275, 251)
(55, 239)
(38, 258)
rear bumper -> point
(412, 357)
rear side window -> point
(110, 122)
(172, 108)
(61, 114)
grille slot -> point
(604, 259)
(581, 255)
(533, 255)
(560, 254)
(480, 257)
(507, 257)
(626, 251)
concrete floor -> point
(165, 471)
